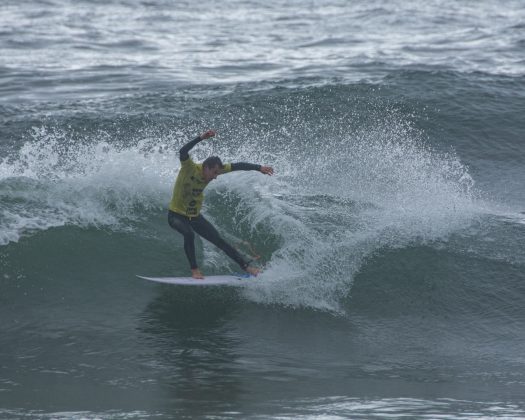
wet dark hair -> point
(212, 162)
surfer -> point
(184, 210)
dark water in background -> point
(392, 233)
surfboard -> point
(222, 280)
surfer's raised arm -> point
(239, 166)
(184, 150)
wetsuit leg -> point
(208, 232)
(182, 225)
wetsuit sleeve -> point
(243, 166)
(184, 151)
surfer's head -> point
(212, 168)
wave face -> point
(351, 182)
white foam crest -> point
(54, 181)
(410, 187)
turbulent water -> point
(391, 234)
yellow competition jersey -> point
(188, 190)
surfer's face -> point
(210, 174)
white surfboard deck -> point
(222, 280)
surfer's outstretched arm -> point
(184, 150)
(243, 166)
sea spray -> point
(343, 190)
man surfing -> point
(185, 206)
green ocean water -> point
(391, 235)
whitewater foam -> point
(381, 187)
(54, 181)
(377, 187)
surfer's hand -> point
(267, 170)
(208, 134)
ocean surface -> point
(391, 235)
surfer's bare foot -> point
(253, 270)
(196, 274)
